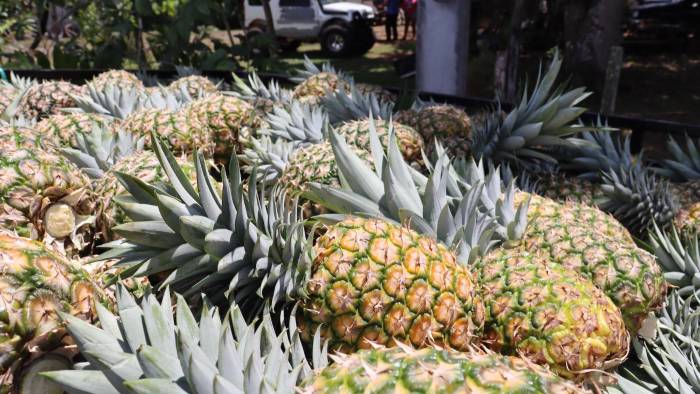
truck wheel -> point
(336, 40)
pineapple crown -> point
(668, 358)
(679, 256)
(256, 88)
(344, 106)
(245, 245)
(145, 349)
(637, 197)
(121, 102)
(299, 122)
(310, 69)
(396, 191)
(266, 157)
(685, 165)
(601, 153)
(18, 83)
(543, 120)
(98, 151)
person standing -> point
(410, 7)
(392, 16)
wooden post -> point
(442, 52)
(612, 80)
(270, 22)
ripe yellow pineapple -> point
(372, 281)
(195, 85)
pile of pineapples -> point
(194, 237)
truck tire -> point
(336, 41)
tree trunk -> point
(506, 72)
(270, 27)
(591, 28)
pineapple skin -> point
(7, 95)
(65, 126)
(194, 85)
(563, 188)
(33, 181)
(118, 78)
(586, 240)
(318, 85)
(374, 282)
(549, 314)
(47, 98)
(409, 141)
(431, 370)
(185, 134)
(144, 166)
(687, 194)
(28, 137)
(35, 284)
(449, 124)
(229, 121)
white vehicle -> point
(342, 27)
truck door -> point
(297, 18)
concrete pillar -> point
(443, 46)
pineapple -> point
(230, 121)
(430, 370)
(443, 122)
(373, 282)
(45, 197)
(318, 85)
(185, 133)
(118, 78)
(37, 284)
(410, 142)
(563, 188)
(263, 97)
(549, 314)
(66, 126)
(179, 354)
(194, 85)
(679, 257)
(579, 237)
(48, 98)
(378, 91)
(29, 137)
(384, 281)
(8, 93)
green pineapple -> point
(45, 197)
(48, 98)
(118, 78)
(36, 284)
(66, 126)
(430, 370)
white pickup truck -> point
(343, 28)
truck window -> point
(254, 2)
(295, 3)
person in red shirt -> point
(410, 8)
